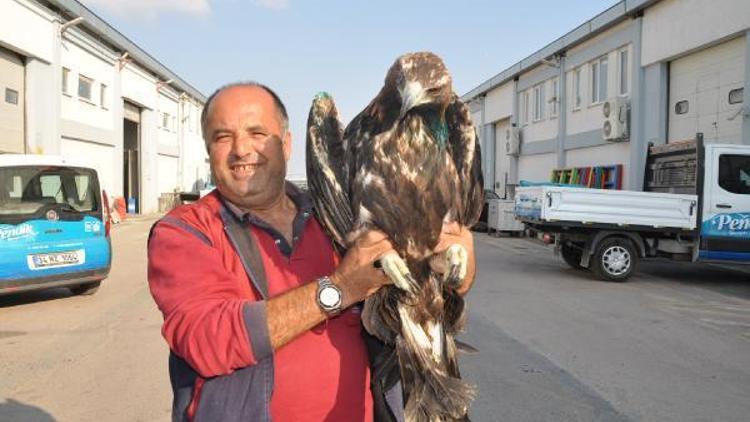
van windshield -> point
(30, 191)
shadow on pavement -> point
(12, 410)
(715, 277)
(24, 298)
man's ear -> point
(287, 145)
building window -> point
(623, 59)
(734, 173)
(577, 89)
(681, 107)
(539, 103)
(599, 80)
(735, 95)
(103, 96)
(84, 87)
(555, 97)
(165, 121)
(11, 96)
(525, 105)
(66, 81)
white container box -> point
(500, 217)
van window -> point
(734, 173)
(30, 191)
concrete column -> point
(562, 113)
(746, 97)
(43, 93)
(513, 162)
(489, 153)
(638, 143)
(43, 100)
(148, 159)
(655, 113)
(116, 104)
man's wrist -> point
(350, 293)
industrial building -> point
(72, 85)
(642, 72)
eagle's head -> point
(421, 79)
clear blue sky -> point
(300, 47)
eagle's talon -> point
(395, 268)
(457, 259)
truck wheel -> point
(572, 254)
(86, 289)
(615, 259)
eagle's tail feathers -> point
(433, 394)
(429, 368)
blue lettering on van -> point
(727, 225)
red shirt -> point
(200, 286)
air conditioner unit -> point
(616, 113)
(513, 141)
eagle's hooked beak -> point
(411, 96)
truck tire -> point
(572, 254)
(615, 259)
(85, 289)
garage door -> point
(167, 173)
(97, 156)
(11, 102)
(705, 93)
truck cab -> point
(725, 223)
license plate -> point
(56, 260)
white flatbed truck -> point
(695, 207)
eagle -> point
(407, 164)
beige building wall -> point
(12, 103)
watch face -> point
(329, 297)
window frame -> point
(90, 81)
(723, 186)
(623, 72)
(65, 83)
(554, 98)
(599, 80)
(12, 96)
(577, 94)
(742, 97)
(539, 102)
(103, 96)
(525, 103)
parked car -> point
(53, 230)
(481, 225)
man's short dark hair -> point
(280, 108)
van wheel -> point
(572, 254)
(86, 289)
(615, 259)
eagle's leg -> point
(395, 268)
(457, 259)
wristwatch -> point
(329, 296)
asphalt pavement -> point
(555, 344)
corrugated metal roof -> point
(98, 26)
(590, 28)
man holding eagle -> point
(264, 304)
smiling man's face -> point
(248, 146)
